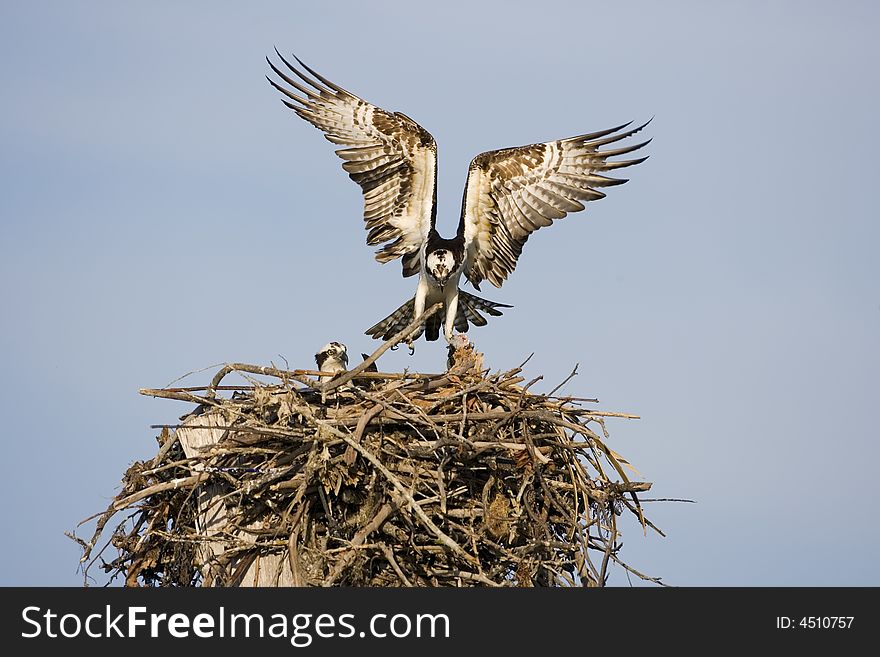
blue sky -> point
(162, 212)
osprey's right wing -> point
(511, 193)
(389, 155)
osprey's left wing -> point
(389, 155)
(511, 193)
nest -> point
(464, 478)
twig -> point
(566, 380)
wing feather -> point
(511, 193)
(389, 155)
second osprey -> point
(509, 194)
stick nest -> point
(457, 479)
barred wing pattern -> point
(511, 193)
(389, 155)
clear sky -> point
(162, 212)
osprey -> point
(332, 358)
(509, 194)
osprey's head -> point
(332, 357)
(440, 264)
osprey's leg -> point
(421, 296)
(418, 309)
(451, 303)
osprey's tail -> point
(469, 307)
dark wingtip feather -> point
(624, 150)
(640, 127)
(599, 133)
(320, 77)
(609, 166)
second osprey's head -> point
(440, 264)
(332, 357)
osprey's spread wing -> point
(389, 155)
(511, 193)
